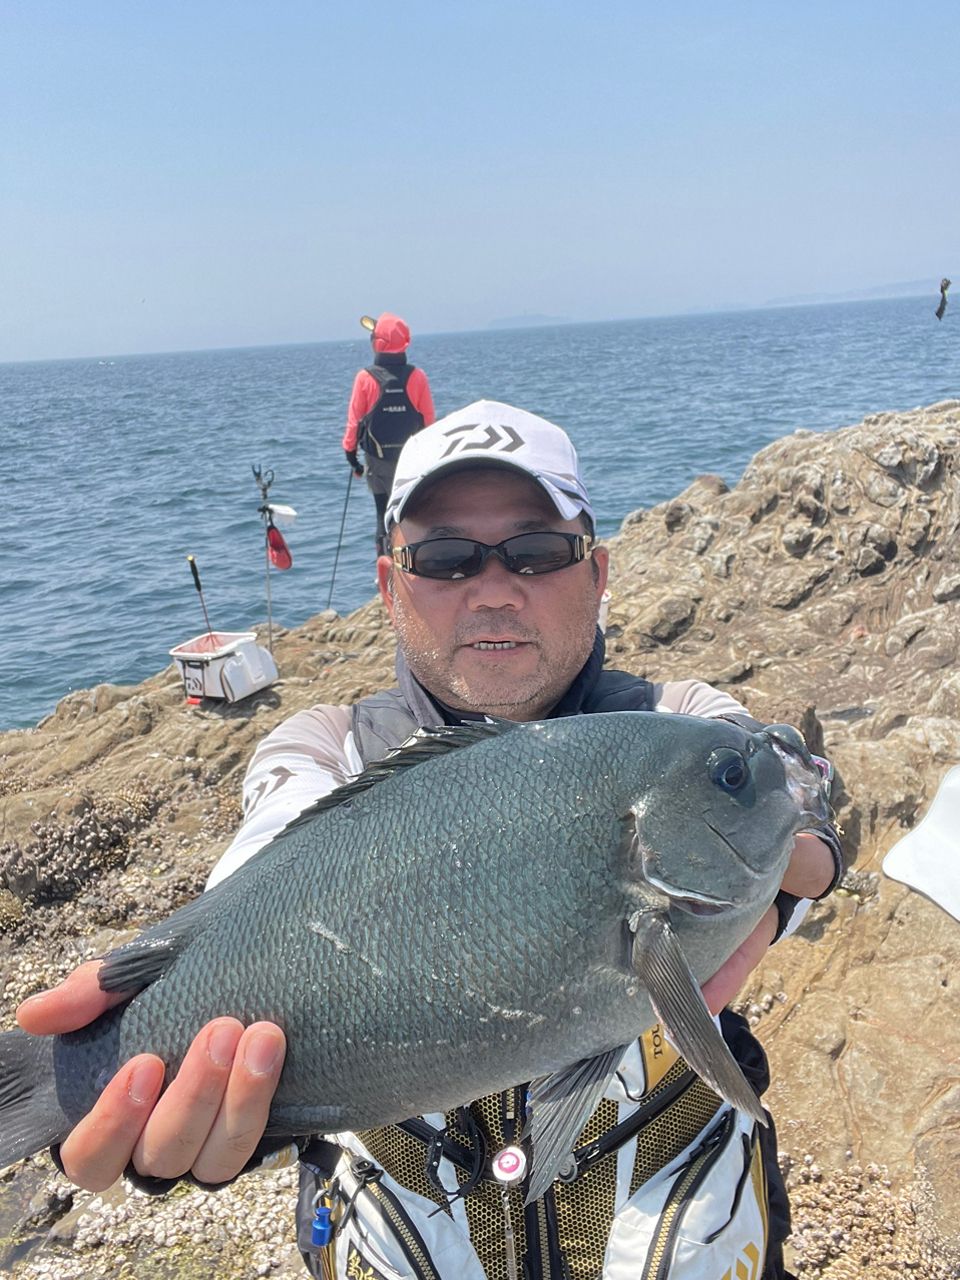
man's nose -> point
(495, 587)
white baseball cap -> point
(488, 433)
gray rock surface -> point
(823, 589)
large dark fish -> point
(490, 906)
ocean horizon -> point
(124, 465)
(913, 291)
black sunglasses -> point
(451, 558)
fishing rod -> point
(191, 561)
(343, 521)
(369, 324)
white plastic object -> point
(224, 664)
(928, 857)
(283, 516)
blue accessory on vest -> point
(321, 1233)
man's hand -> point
(810, 869)
(207, 1122)
(808, 874)
(719, 990)
(353, 462)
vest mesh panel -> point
(404, 1158)
(666, 1135)
(585, 1207)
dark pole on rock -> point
(343, 521)
(196, 582)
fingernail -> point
(222, 1044)
(261, 1054)
(142, 1084)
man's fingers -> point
(99, 1148)
(719, 990)
(810, 869)
(208, 1121)
(183, 1118)
(69, 1006)
(808, 874)
(243, 1113)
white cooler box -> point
(224, 664)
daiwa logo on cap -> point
(490, 432)
(494, 437)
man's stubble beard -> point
(534, 693)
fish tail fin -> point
(30, 1114)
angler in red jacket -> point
(390, 401)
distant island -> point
(900, 289)
(903, 289)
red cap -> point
(391, 334)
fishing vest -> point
(404, 1220)
(384, 720)
(385, 429)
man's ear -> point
(385, 571)
(601, 563)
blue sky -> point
(213, 174)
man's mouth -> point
(495, 644)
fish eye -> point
(728, 769)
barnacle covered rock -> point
(11, 910)
(63, 857)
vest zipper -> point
(413, 1247)
(557, 1259)
(657, 1266)
(536, 1259)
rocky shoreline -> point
(823, 589)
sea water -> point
(115, 469)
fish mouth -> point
(693, 901)
(696, 906)
(803, 778)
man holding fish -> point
(493, 585)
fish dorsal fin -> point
(136, 964)
(424, 745)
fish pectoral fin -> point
(558, 1108)
(679, 1004)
